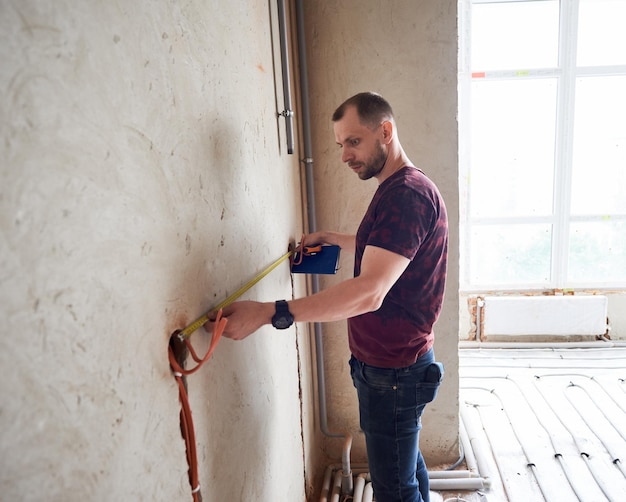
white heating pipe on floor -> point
(580, 446)
(470, 458)
(439, 480)
(436, 484)
(476, 447)
(572, 476)
(330, 489)
(449, 474)
(336, 491)
(457, 484)
(359, 487)
(477, 477)
(328, 474)
(368, 493)
(529, 461)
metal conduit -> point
(284, 58)
(347, 483)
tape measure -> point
(201, 321)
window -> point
(542, 93)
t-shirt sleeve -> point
(403, 219)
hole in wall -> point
(179, 349)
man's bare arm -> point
(380, 269)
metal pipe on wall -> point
(284, 59)
(347, 482)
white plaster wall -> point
(407, 51)
(143, 179)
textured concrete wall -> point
(407, 51)
(144, 178)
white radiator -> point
(545, 315)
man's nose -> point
(346, 155)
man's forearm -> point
(341, 301)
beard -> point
(374, 164)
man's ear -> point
(387, 127)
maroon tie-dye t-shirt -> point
(406, 216)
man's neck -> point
(396, 160)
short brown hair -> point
(371, 108)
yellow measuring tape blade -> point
(201, 321)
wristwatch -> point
(282, 319)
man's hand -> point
(345, 241)
(315, 238)
(244, 318)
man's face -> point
(361, 148)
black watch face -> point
(282, 322)
(282, 318)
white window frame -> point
(566, 74)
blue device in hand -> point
(316, 260)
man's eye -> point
(354, 142)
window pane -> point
(515, 35)
(598, 252)
(512, 145)
(601, 33)
(510, 254)
(599, 161)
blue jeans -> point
(391, 402)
